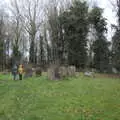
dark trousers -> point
(20, 76)
(14, 76)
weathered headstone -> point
(114, 70)
(58, 73)
(38, 71)
(71, 71)
(63, 71)
(51, 74)
(28, 72)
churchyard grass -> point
(79, 98)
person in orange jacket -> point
(20, 71)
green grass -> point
(79, 98)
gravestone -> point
(51, 74)
(63, 71)
(29, 71)
(38, 71)
(58, 73)
(114, 70)
(71, 71)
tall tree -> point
(17, 28)
(116, 39)
(52, 15)
(33, 22)
(41, 52)
(75, 33)
(100, 45)
(3, 41)
(55, 28)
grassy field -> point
(78, 98)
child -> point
(20, 70)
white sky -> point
(108, 12)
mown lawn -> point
(79, 98)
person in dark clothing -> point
(14, 72)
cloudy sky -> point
(108, 9)
(108, 12)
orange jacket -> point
(20, 69)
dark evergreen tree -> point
(100, 45)
(75, 22)
(116, 40)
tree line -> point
(65, 32)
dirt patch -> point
(108, 75)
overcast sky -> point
(108, 12)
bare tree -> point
(52, 12)
(17, 29)
(31, 15)
(2, 42)
(3, 38)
